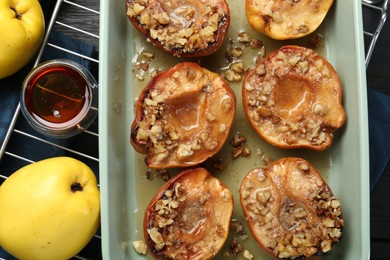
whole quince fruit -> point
(49, 209)
(21, 34)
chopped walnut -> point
(244, 236)
(246, 151)
(140, 247)
(236, 226)
(231, 75)
(247, 254)
(227, 104)
(157, 238)
(184, 151)
(256, 44)
(238, 67)
(148, 55)
(235, 71)
(317, 40)
(235, 247)
(149, 175)
(144, 66)
(163, 174)
(243, 37)
(153, 73)
(237, 140)
(303, 28)
(219, 165)
(236, 52)
(141, 65)
(139, 76)
(237, 151)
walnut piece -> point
(140, 247)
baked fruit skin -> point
(183, 28)
(290, 210)
(293, 99)
(183, 117)
(286, 19)
(189, 217)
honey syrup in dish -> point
(234, 169)
(57, 95)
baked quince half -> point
(183, 28)
(286, 19)
(189, 217)
(290, 210)
(183, 116)
(293, 99)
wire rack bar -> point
(381, 7)
(55, 145)
(72, 52)
(91, 133)
(82, 7)
(19, 157)
(9, 131)
(77, 29)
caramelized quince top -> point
(189, 217)
(182, 28)
(286, 19)
(183, 116)
(290, 210)
(293, 98)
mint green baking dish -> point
(124, 189)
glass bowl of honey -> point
(59, 98)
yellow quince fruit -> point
(49, 209)
(21, 34)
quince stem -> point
(17, 14)
(76, 187)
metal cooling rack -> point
(21, 136)
(22, 145)
(375, 9)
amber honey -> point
(56, 95)
(57, 98)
